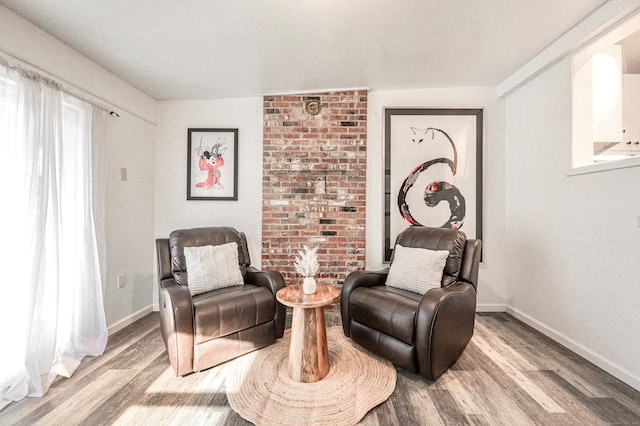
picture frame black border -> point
(388, 114)
(190, 131)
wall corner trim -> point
(315, 91)
(593, 26)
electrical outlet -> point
(123, 173)
(122, 281)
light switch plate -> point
(123, 173)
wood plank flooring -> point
(509, 375)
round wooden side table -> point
(308, 351)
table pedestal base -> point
(308, 353)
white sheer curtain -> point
(51, 181)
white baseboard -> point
(491, 307)
(586, 353)
(119, 325)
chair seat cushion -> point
(229, 310)
(389, 310)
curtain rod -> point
(96, 101)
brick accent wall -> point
(314, 183)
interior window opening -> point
(606, 97)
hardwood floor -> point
(509, 375)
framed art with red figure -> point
(212, 164)
(432, 171)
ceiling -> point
(207, 49)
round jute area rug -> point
(260, 390)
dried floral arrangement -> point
(306, 263)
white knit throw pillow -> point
(212, 267)
(417, 269)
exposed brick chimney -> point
(314, 184)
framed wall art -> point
(212, 164)
(433, 171)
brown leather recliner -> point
(207, 329)
(421, 333)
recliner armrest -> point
(163, 258)
(471, 262)
(444, 326)
(354, 280)
(176, 324)
(274, 281)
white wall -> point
(172, 209)
(129, 219)
(129, 205)
(492, 285)
(572, 242)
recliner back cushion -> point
(195, 237)
(437, 239)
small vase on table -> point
(309, 285)
(306, 264)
